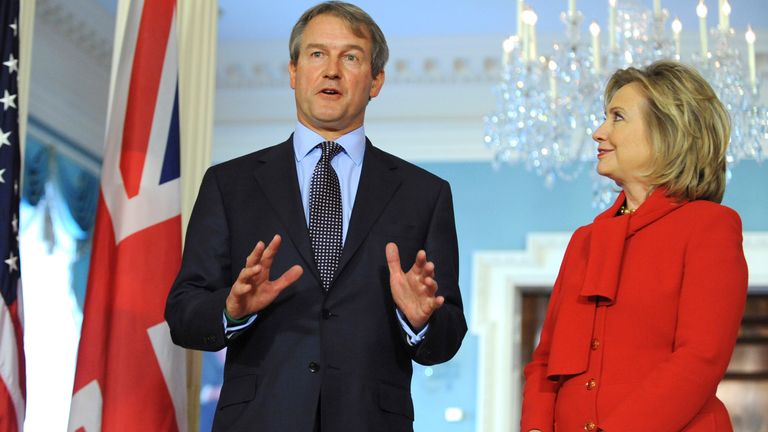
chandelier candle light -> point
(549, 105)
(750, 37)
(677, 27)
(595, 30)
(701, 11)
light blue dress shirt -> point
(348, 165)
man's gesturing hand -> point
(253, 291)
(413, 292)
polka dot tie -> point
(325, 226)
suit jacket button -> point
(327, 314)
(590, 426)
(314, 367)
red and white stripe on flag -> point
(12, 366)
(130, 376)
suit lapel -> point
(378, 182)
(278, 180)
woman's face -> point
(624, 151)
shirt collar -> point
(305, 140)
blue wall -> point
(495, 209)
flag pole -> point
(26, 30)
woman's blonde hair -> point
(688, 126)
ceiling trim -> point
(84, 23)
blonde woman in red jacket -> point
(645, 312)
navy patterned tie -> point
(325, 213)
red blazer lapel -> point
(596, 275)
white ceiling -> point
(270, 20)
(260, 19)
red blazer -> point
(671, 280)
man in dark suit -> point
(328, 344)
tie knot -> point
(330, 149)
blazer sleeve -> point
(447, 326)
(197, 298)
(711, 303)
(539, 392)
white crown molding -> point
(422, 60)
(431, 108)
(69, 80)
(84, 23)
(429, 60)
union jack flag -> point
(129, 374)
(12, 373)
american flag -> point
(12, 378)
(130, 376)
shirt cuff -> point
(232, 328)
(413, 338)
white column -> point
(197, 24)
(493, 316)
(197, 80)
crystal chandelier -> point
(548, 106)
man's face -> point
(332, 78)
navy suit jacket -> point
(344, 350)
